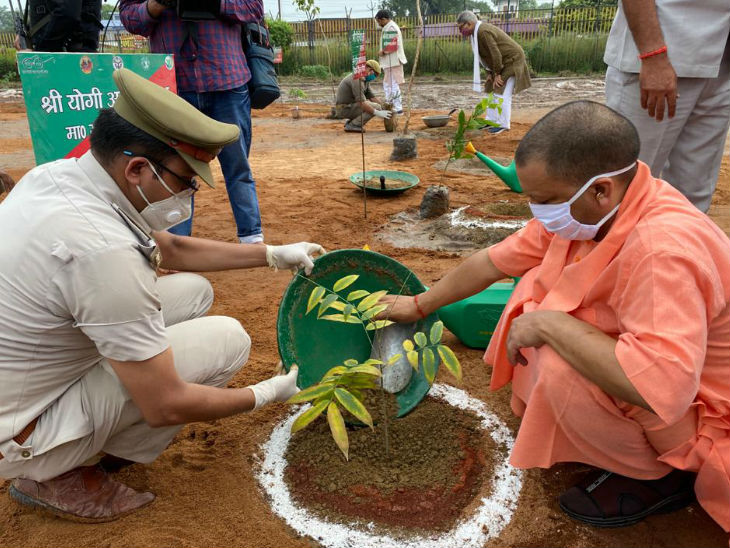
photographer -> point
(64, 25)
(212, 74)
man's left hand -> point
(293, 256)
(527, 331)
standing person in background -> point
(673, 57)
(392, 58)
(504, 60)
(212, 74)
(64, 25)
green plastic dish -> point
(408, 180)
(318, 345)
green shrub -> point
(281, 32)
(8, 67)
(314, 71)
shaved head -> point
(580, 140)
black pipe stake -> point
(382, 182)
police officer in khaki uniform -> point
(98, 357)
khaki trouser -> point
(207, 350)
(686, 151)
(352, 112)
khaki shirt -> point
(353, 91)
(77, 285)
(695, 32)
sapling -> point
(296, 94)
(343, 385)
(456, 145)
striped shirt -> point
(217, 62)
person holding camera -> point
(212, 74)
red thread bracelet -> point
(648, 54)
(418, 308)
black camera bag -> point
(263, 87)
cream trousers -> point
(207, 350)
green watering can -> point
(507, 174)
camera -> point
(194, 10)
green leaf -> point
(429, 365)
(342, 283)
(351, 362)
(450, 361)
(337, 427)
(359, 294)
(310, 393)
(374, 311)
(366, 369)
(325, 304)
(314, 297)
(309, 415)
(371, 300)
(378, 324)
(354, 406)
(394, 358)
(341, 318)
(462, 118)
(347, 312)
(366, 382)
(372, 361)
(408, 345)
(336, 370)
(437, 331)
(420, 339)
(412, 357)
(339, 305)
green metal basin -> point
(318, 345)
(396, 181)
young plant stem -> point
(419, 43)
(362, 146)
(443, 173)
(329, 60)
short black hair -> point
(384, 14)
(112, 135)
(580, 140)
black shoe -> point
(605, 499)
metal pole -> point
(280, 9)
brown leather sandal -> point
(605, 499)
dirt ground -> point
(205, 486)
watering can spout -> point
(507, 174)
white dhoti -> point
(392, 78)
(503, 118)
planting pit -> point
(446, 481)
(461, 230)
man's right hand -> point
(6, 182)
(658, 83)
(156, 7)
(385, 114)
(402, 309)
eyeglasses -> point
(188, 182)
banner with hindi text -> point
(359, 57)
(64, 92)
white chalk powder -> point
(487, 522)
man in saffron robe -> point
(617, 338)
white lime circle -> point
(487, 522)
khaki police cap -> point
(373, 64)
(153, 109)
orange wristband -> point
(418, 307)
(648, 54)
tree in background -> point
(6, 20)
(587, 3)
(403, 8)
(106, 11)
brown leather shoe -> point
(86, 494)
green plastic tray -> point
(318, 345)
(408, 179)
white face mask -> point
(556, 218)
(170, 211)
